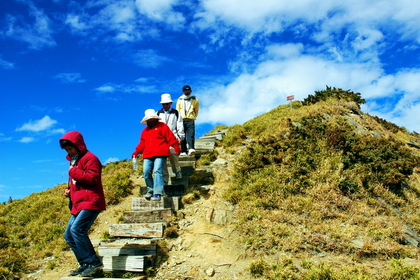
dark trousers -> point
(189, 129)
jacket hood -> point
(77, 139)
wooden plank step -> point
(142, 204)
(184, 163)
(148, 216)
(125, 263)
(204, 145)
(131, 249)
(143, 230)
(218, 134)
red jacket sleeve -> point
(89, 173)
(140, 147)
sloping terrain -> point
(323, 191)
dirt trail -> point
(202, 250)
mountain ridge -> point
(322, 191)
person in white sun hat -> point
(188, 106)
(171, 117)
(155, 142)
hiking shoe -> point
(156, 197)
(91, 269)
(148, 195)
(191, 152)
(81, 268)
(179, 175)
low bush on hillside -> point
(334, 93)
(116, 181)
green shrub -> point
(116, 181)
(12, 263)
(336, 93)
(258, 268)
(399, 271)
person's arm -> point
(171, 139)
(89, 173)
(180, 127)
(140, 147)
(196, 108)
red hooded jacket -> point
(87, 192)
(155, 141)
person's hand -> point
(67, 192)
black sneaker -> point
(91, 269)
(81, 268)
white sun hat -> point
(149, 114)
(165, 98)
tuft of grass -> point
(170, 232)
(191, 196)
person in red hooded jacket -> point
(155, 142)
(87, 200)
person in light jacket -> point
(171, 117)
(188, 105)
(155, 142)
(87, 200)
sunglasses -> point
(166, 104)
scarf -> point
(73, 163)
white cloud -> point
(57, 131)
(161, 10)
(37, 34)
(111, 159)
(132, 88)
(70, 78)
(76, 22)
(6, 65)
(149, 59)
(38, 125)
(106, 88)
(26, 140)
(3, 138)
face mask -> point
(152, 123)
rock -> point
(210, 271)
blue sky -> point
(96, 66)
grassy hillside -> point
(326, 181)
(32, 228)
(322, 191)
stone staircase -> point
(134, 246)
